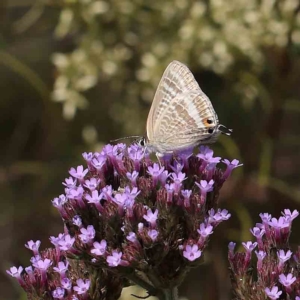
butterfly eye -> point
(141, 142)
(209, 121)
(210, 130)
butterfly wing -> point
(184, 123)
(176, 79)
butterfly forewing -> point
(176, 79)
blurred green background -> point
(75, 74)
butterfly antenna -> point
(224, 129)
(125, 138)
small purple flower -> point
(70, 182)
(87, 234)
(224, 214)
(82, 286)
(231, 247)
(132, 238)
(59, 202)
(115, 259)
(58, 293)
(33, 246)
(186, 197)
(77, 221)
(260, 257)
(260, 254)
(205, 187)
(206, 154)
(230, 166)
(177, 180)
(62, 268)
(155, 172)
(191, 253)
(205, 230)
(66, 283)
(273, 293)
(163, 177)
(88, 156)
(291, 215)
(66, 242)
(132, 177)
(95, 198)
(249, 246)
(98, 162)
(107, 192)
(92, 183)
(78, 173)
(287, 280)
(257, 232)
(136, 154)
(283, 257)
(280, 223)
(170, 191)
(99, 248)
(151, 217)
(152, 233)
(15, 272)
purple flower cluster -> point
(277, 271)
(134, 218)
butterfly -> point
(181, 115)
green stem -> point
(170, 294)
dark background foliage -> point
(76, 73)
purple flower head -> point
(170, 191)
(186, 196)
(191, 252)
(231, 247)
(78, 173)
(33, 246)
(265, 217)
(58, 293)
(99, 248)
(87, 234)
(230, 166)
(151, 217)
(287, 280)
(153, 234)
(82, 286)
(273, 293)
(131, 194)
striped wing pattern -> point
(177, 116)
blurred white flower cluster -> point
(130, 43)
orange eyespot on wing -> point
(207, 122)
